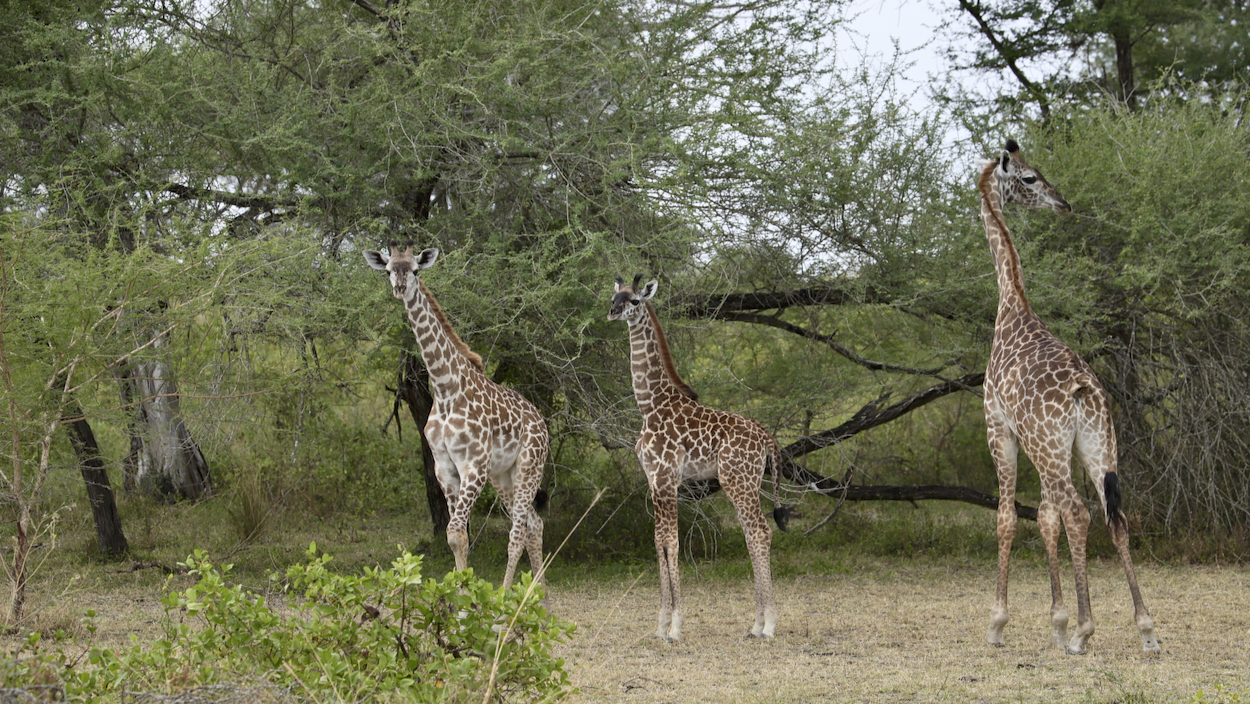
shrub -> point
(384, 633)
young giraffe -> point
(684, 440)
(478, 430)
(1040, 395)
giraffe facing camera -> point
(683, 440)
(478, 430)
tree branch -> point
(370, 8)
(833, 344)
(1005, 55)
(715, 305)
(239, 201)
(869, 417)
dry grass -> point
(898, 631)
(854, 626)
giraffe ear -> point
(375, 259)
(648, 290)
(427, 257)
(1004, 163)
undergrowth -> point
(388, 633)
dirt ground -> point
(912, 632)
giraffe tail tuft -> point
(781, 514)
(1111, 490)
(540, 500)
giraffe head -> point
(402, 265)
(630, 302)
(1024, 185)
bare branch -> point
(717, 305)
(264, 203)
(833, 344)
(995, 41)
(869, 417)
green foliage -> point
(1148, 281)
(1060, 54)
(387, 631)
(1220, 694)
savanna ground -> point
(888, 604)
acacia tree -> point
(66, 150)
(62, 335)
(1056, 51)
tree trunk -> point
(414, 388)
(1124, 68)
(108, 523)
(168, 461)
(20, 552)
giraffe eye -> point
(1029, 179)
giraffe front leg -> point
(449, 481)
(458, 527)
(1003, 448)
(666, 548)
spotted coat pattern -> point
(1041, 396)
(478, 430)
(683, 440)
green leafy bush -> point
(387, 633)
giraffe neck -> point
(656, 382)
(440, 348)
(1006, 261)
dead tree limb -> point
(869, 417)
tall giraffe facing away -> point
(478, 430)
(684, 440)
(1040, 395)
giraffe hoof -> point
(1072, 651)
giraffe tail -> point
(781, 513)
(1111, 490)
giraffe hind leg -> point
(527, 527)
(1119, 536)
(743, 493)
(516, 534)
(1076, 523)
(531, 475)
(1095, 447)
(1050, 524)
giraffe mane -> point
(474, 358)
(667, 358)
(984, 184)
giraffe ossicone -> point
(683, 440)
(1042, 397)
(478, 430)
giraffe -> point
(477, 430)
(1040, 395)
(683, 440)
